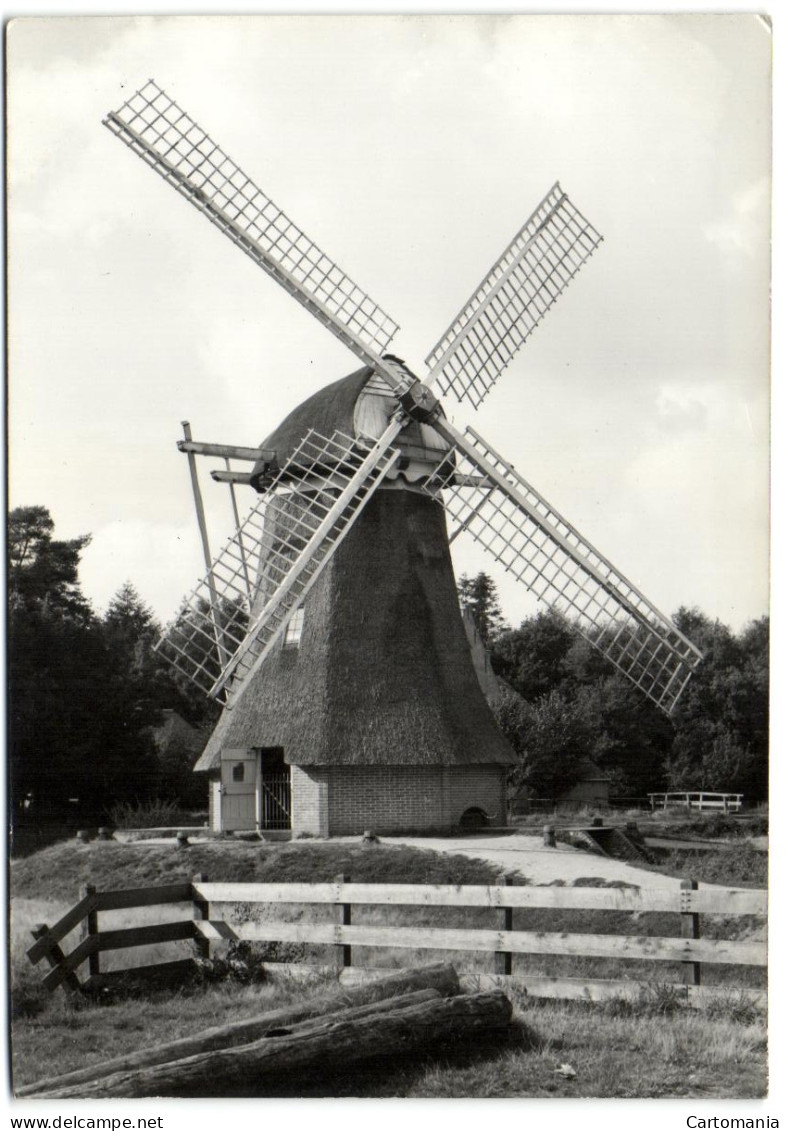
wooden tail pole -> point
(239, 539)
(201, 521)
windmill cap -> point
(356, 405)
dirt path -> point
(541, 865)
(518, 851)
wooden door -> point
(239, 777)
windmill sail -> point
(229, 624)
(157, 130)
(284, 543)
(520, 289)
(520, 528)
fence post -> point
(503, 959)
(689, 929)
(55, 958)
(91, 928)
(343, 919)
(200, 911)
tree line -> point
(87, 692)
(572, 707)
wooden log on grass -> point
(396, 1028)
(440, 977)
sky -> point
(411, 149)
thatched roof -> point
(490, 683)
(329, 410)
(589, 771)
(496, 689)
(383, 674)
(175, 728)
(360, 404)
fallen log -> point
(319, 1045)
(438, 976)
(68, 1085)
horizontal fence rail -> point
(727, 802)
(206, 923)
(724, 901)
(515, 942)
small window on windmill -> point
(238, 772)
(293, 633)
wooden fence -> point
(723, 802)
(206, 926)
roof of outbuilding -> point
(174, 727)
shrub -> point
(654, 998)
(154, 814)
(28, 996)
(740, 1010)
(721, 825)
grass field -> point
(653, 1047)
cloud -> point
(744, 230)
(705, 516)
(681, 408)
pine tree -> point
(41, 568)
(130, 629)
(478, 595)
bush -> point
(654, 999)
(738, 864)
(243, 963)
(740, 1010)
(28, 996)
(719, 826)
(154, 814)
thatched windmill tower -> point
(372, 703)
(329, 625)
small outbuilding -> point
(590, 788)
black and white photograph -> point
(388, 559)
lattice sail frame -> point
(212, 640)
(236, 614)
(179, 150)
(536, 544)
(519, 290)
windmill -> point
(328, 626)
